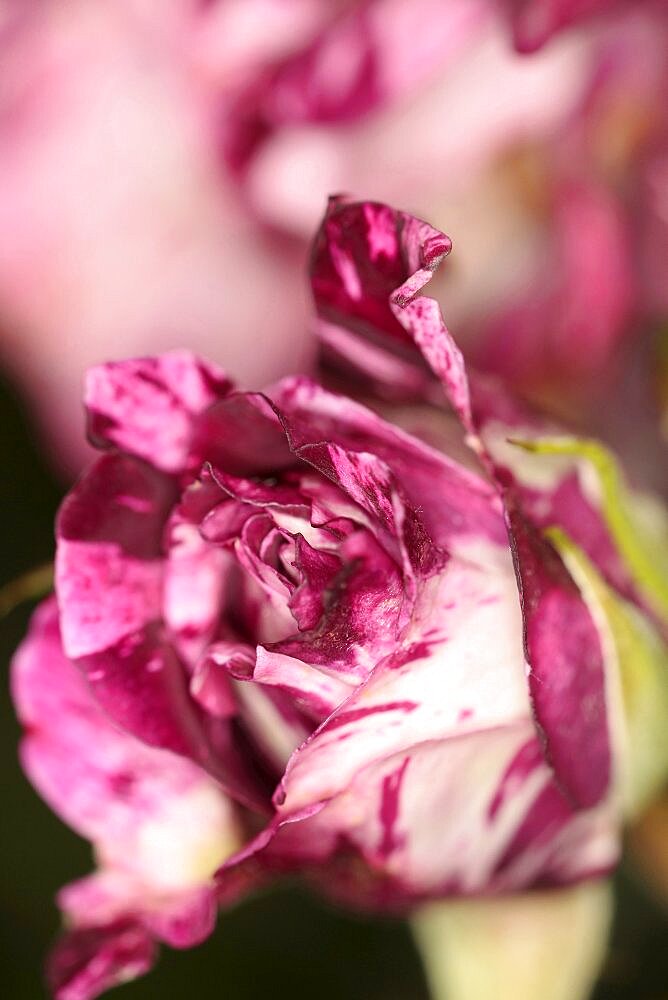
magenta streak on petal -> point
(528, 758)
(343, 718)
(406, 654)
(389, 810)
(548, 814)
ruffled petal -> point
(453, 502)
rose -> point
(304, 626)
(207, 140)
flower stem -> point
(33, 584)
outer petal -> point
(181, 917)
(634, 527)
(148, 406)
(567, 682)
(359, 259)
(86, 963)
(133, 801)
(638, 683)
(160, 825)
(108, 563)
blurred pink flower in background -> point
(162, 169)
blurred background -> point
(162, 169)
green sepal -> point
(638, 529)
(637, 680)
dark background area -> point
(282, 943)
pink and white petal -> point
(185, 920)
(194, 583)
(86, 963)
(181, 918)
(459, 667)
(315, 692)
(132, 800)
(148, 406)
(389, 761)
(507, 829)
(358, 261)
(210, 684)
(108, 561)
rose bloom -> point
(291, 635)
(161, 173)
